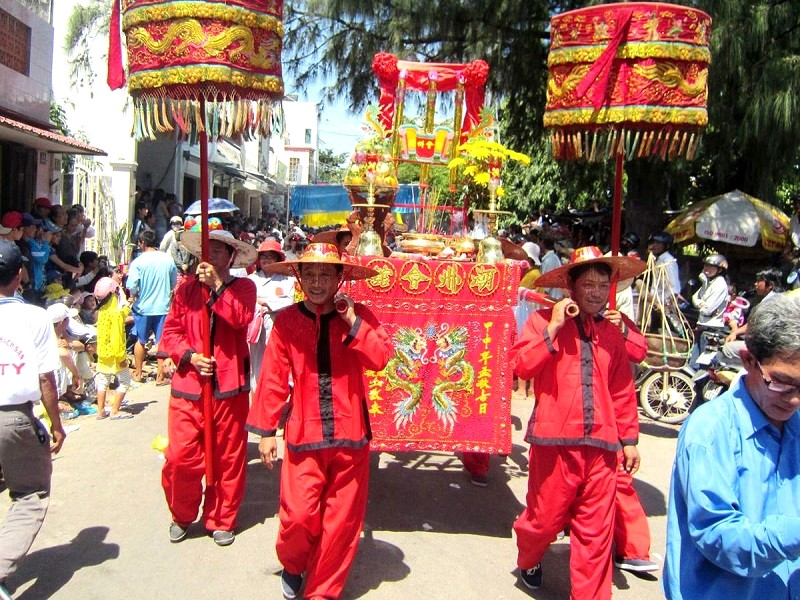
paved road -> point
(429, 533)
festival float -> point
(445, 298)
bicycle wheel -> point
(667, 396)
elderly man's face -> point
(774, 385)
(590, 291)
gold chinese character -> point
(483, 408)
(450, 280)
(375, 409)
(483, 279)
(414, 278)
(384, 277)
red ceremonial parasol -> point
(627, 80)
(200, 70)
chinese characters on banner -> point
(448, 385)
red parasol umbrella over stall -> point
(627, 80)
(200, 70)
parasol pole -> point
(616, 221)
(207, 390)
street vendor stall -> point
(448, 387)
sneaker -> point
(177, 533)
(223, 538)
(480, 480)
(636, 565)
(290, 584)
(532, 578)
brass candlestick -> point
(370, 243)
(490, 249)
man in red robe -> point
(232, 302)
(325, 470)
(585, 412)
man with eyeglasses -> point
(733, 525)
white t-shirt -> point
(27, 349)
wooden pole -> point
(208, 384)
(616, 221)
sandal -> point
(121, 415)
(101, 416)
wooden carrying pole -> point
(208, 383)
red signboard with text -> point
(448, 386)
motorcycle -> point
(715, 372)
(667, 394)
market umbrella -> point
(198, 71)
(627, 80)
(733, 218)
(215, 205)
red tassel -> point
(116, 72)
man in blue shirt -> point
(151, 279)
(733, 526)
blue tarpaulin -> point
(319, 205)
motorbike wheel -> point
(667, 396)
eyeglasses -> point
(776, 386)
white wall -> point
(299, 117)
(29, 95)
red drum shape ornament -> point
(628, 78)
(226, 53)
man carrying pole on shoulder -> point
(585, 411)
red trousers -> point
(575, 485)
(476, 463)
(631, 531)
(323, 501)
(184, 468)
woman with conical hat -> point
(274, 292)
(325, 471)
(232, 302)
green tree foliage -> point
(331, 166)
(87, 28)
(754, 100)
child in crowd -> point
(112, 359)
(735, 313)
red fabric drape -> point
(116, 72)
(601, 69)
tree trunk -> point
(647, 196)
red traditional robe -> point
(325, 472)
(585, 411)
(231, 312)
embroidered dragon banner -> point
(448, 386)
